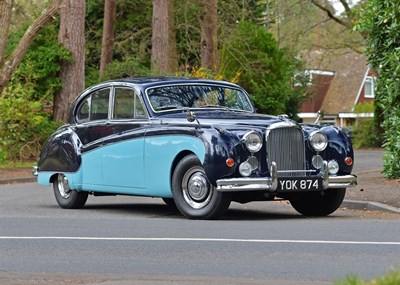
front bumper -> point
(271, 183)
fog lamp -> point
(252, 160)
(245, 169)
(333, 167)
(317, 161)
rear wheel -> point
(65, 196)
(194, 196)
(170, 202)
(318, 203)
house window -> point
(369, 87)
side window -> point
(127, 104)
(99, 104)
(84, 111)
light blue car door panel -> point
(123, 164)
(92, 173)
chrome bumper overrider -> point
(271, 183)
(35, 171)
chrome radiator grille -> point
(285, 146)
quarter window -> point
(94, 107)
(84, 111)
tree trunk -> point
(173, 54)
(108, 35)
(209, 48)
(164, 58)
(33, 30)
(72, 37)
(5, 19)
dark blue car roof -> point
(153, 81)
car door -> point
(123, 152)
(92, 116)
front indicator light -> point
(230, 162)
(349, 161)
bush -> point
(365, 134)
(128, 67)
(24, 124)
(380, 26)
(26, 102)
(264, 69)
(392, 278)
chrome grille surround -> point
(286, 147)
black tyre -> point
(194, 196)
(65, 196)
(318, 203)
(170, 202)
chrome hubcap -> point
(197, 191)
(63, 187)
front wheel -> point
(318, 203)
(194, 196)
(65, 196)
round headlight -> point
(318, 141)
(252, 141)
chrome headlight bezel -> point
(253, 141)
(318, 141)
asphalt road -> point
(131, 240)
(368, 160)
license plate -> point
(299, 184)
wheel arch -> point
(176, 160)
(53, 177)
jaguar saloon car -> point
(198, 144)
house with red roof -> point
(336, 84)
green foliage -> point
(40, 67)
(265, 70)
(24, 124)
(118, 69)
(381, 24)
(8, 164)
(25, 104)
(365, 134)
(392, 278)
(364, 108)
